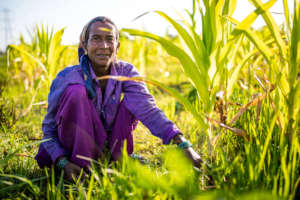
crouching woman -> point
(86, 117)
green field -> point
(233, 91)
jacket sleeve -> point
(142, 105)
(49, 126)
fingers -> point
(81, 174)
(77, 175)
(194, 157)
(73, 172)
(84, 176)
(198, 163)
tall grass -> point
(209, 59)
(36, 63)
(42, 57)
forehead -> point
(100, 28)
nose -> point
(103, 44)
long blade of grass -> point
(187, 39)
(255, 100)
(15, 187)
(260, 45)
(30, 56)
(287, 15)
(253, 37)
(266, 144)
(294, 101)
(11, 155)
(250, 19)
(295, 46)
(237, 131)
(59, 188)
(34, 188)
(204, 56)
(90, 188)
(234, 73)
(229, 7)
(199, 80)
(189, 107)
(272, 26)
(54, 53)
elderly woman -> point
(87, 117)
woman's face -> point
(102, 45)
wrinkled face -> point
(102, 45)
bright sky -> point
(74, 14)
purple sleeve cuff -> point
(171, 133)
(54, 149)
(57, 153)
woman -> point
(87, 118)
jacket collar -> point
(111, 83)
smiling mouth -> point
(103, 56)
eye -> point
(95, 38)
(110, 38)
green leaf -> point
(229, 7)
(55, 53)
(295, 47)
(266, 144)
(182, 100)
(250, 19)
(188, 40)
(260, 45)
(90, 188)
(287, 15)
(11, 155)
(272, 26)
(30, 56)
(15, 187)
(199, 80)
(34, 188)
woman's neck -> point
(101, 70)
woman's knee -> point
(75, 93)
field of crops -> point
(233, 91)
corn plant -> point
(209, 59)
(37, 63)
(206, 58)
(43, 56)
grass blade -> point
(199, 80)
(11, 155)
(30, 56)
(272, 26)
(189, 107)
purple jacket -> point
(137, 100)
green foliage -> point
(43, 56)
(207, 60)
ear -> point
(118, 46)
(84, 46)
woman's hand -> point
(191, 154)
(194, 156)
(72, 171)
